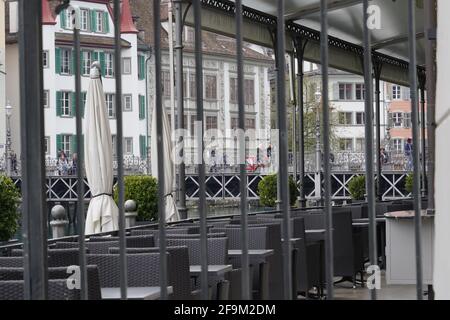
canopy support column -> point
(377, 67)
(422, 84)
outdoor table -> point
(315, 234)
(216, 273)
(134, 293)
(258, 256)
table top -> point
(406, 214)
(134, 293)
(258, 253)
(315, 231)
(216, 270)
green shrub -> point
(267, 190)
(357, 187)
(143, 190)
(409, 182)
(9, 201)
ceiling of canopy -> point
(346, 22)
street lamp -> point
(8, 110)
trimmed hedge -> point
(143, 190)
(267, 191)
(9, 202)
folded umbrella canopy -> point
(103, 213)
(171, 209)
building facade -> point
(97, 44)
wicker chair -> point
(94, 293)
(134, 241)
(217, 250)
(178, 268)
(143, 269)
(57, 290)
(11, 262)
(59, 257)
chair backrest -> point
(178, 267)
(142, 269)
(94, 292)
(217, 250)
(101, 247)
(56, 257)
(57, 290)
(11, 262)
(133, 241)
(257, 237)
(195, 236)
(343, 243)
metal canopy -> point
(345, 33)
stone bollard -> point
(59, 222)
(130, 213)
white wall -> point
(442, 221)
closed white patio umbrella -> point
(171, 209)
(102, 215)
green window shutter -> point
(105, 22)
(93, 21)
(81, 62)
(58, 103)
(63, 16)
(58, 142)
(72, 62)
(73, 103)
(143, 147)
(95, 56)
(58, 61)
(103, 63)
(141, 73)
(141, 107)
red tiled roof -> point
(47, 16)
(126, 20)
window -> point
(45, 59)
(397, 145)
(66, 143)
(141, 67)
(360, 118)
(188, 35)
(193, 120)
(128, 146)
(66, 57)
(109, 61)
(250, 124)
(166, 83)
(407, 120)
(249, 91)
(345, 91)
(211, 122)
(47, 145)
(396, 92)
(360, 144)
(345, 144)
(127, 102)
(110, 105)
(192, 86)
(65, 104)
(345, 118)
(142, 107)
(211, 87)
(99, 21)
(233, 90)
(46, 99)
(126, 65)
(234, 123)
(67, 19)
(360, 91)
(86, 63)
(114, 145)
(84, 20)
(397, 119)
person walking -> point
(409, 154)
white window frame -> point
(84, 19)
(46, 98)
(127, 102)
(397, 119)
(66, 141)
(345, 84)
(348, 142)
(128, 145)
(68, 20)
(345, 113)
(396, 92)
(45, 59)
(99, 21)
(363, 118)
(47, 145)
(126, 62)
(66, 103)
(65, 61)
(87, 61)
(109, 64)
(110, 105)
(397, 145)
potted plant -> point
(409, 182)
(9, 215)
(267, 191)
(143, 190)
(357, 188)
